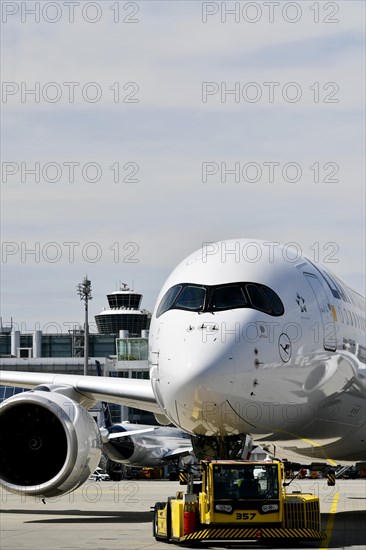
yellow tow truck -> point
(238, 500)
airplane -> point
(140, 445)
(269, 346)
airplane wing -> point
(178, 452)
(133, 393)
(108, 436)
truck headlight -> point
(269, 508)
(226, 508)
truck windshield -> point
(245, 481)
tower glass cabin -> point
(123, 314)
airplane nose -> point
(196, 372)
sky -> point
(133, 132)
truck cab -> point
(241, 491)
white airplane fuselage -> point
(223, 360)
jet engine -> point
(49, 443)
(144, 446)
(124, 450)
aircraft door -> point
(329, 328)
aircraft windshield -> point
(245, 481)
(200, 298)
(191, 297)
(227, 297)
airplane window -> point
(227, 297)
(352, 297)
(341, 290)
(168, 299)
(273, 299)
(257, 298)
(192, 298)
(346, 316)
(354, 319)
(340, 313)
(330, 282)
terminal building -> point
(120, 346)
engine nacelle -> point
(142, 449)
(120, 450)
(49, 444)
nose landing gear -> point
(229, 447)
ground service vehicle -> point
(238, 501)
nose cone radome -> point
(197, 368)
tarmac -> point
(108, 515)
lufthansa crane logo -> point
(284, 347)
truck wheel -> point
(159, 506)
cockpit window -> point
(168, 299)
(215, 298)
(273, 299)
(192, 298)
(227, 297)
(257, 298)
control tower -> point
(123, 314)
